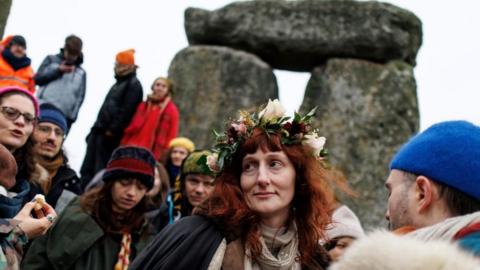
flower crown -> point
(272, 120)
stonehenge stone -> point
(300, 35)
(4, 11)
(366, 111)
(211, 83)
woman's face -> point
(15, 132)
(268, 184)
(126, 194)
(160, 88)
(178, 154)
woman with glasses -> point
(18, 114)
(270, 207)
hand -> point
(66, 68)
(33, 227)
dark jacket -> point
(77, 242)
(64, 90)
(120, 105)
(65, 187)
(191, 243)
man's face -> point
(198, 188)
(18, 51)
(400, 192)
(70, 58)
(48, 139)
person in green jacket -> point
(104, 228)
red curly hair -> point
(312, 204)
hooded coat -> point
(77, 242)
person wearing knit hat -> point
(195, 184)
(52, 176)
(114, 116)
(18, 115)
(62, 80)
(434, 185)
(178, 149)
(107, 224)
(15, 66)
(345, 228)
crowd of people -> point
(262, 197)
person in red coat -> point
(155, 122)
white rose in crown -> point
(273, 110)
(315, 143)
(212, 162)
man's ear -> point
(424, 193)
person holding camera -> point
(62, 80)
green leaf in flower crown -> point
(310, 114)
(222, 157)
(297, 117)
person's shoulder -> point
(190, 223)
(387, 251)
(67, 171)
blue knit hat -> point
(131, 162)
(50, 113)
(447, 152)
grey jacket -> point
(64, 90)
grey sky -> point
(446, 72)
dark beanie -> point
(18, 40)
(447, 152)
(50, 113)
(131, 162)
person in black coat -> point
(114, 116)
(52, 175)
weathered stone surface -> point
(4, 11)
(212, 83)
(366, 111)
(300, 35)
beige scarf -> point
(447, 228)
(278, 250)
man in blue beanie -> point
(434, 185)
(52, 177)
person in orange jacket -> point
(15, 68)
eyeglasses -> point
(46, 130)
(12, 114)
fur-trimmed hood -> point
(385, 251)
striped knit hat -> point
(131, 162)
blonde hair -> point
(167, 81)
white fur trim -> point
(386, 251)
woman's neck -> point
(276, 220)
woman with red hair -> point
(270, 207)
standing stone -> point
(366, 111)
(4, 11)
(300, 35)
(212, 83)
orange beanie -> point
(126, 57)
